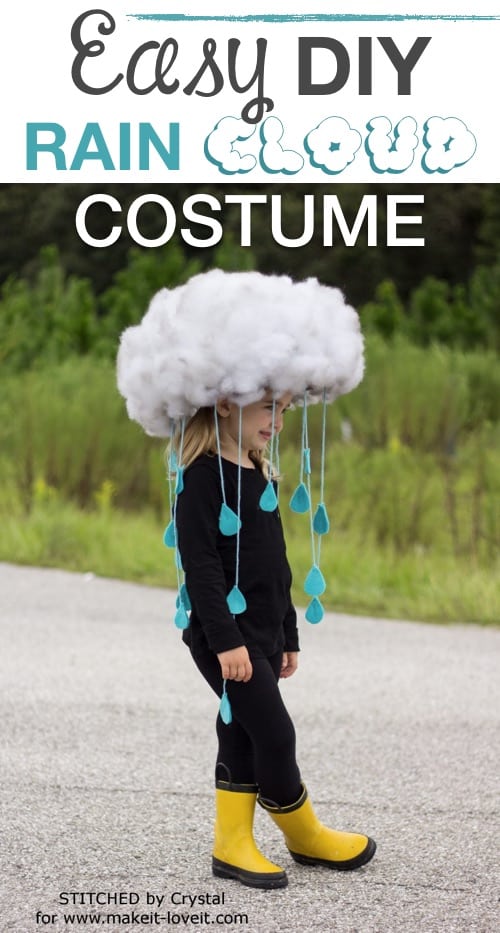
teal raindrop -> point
(315, 582)
(300, 501)
(321, 523)
(181, 618)
(268, 500)
(229, 523)
(184, 598)
(172, 461)
(225, 708)
(236, 601)
(169, 536)
(314, 611)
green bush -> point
(410, 456)
(47, 321)
(413, 491)
(56, 316)
(460, 316)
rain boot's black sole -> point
(347, 865)
(253, 879)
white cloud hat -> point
(237, 335)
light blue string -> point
(272, 445)
(323, 459)
(305, 444)
(278, 466)
(219, 456)
(304, 435)
(174, 517)
(237, 575)
(170, 479)
(323, 449)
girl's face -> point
(256, 423)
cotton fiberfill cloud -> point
(237, 335)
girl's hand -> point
(236, 664)
(289, 663)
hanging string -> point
(229, 521)
(273, 439)
(268, 501)
(235, 599)
(169, 535)
(307, 471)
(321, 521)
(314, 583)
(304, 438)
(182, 602)
(238, 501)
(219, 457)
(301, 499)
(179, 486)
(278, 469)
(323, 449)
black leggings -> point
(258, 746)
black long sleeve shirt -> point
(269, 622)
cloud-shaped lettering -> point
(388, 151)
(273, 158)
(332, 145)
(220, 146)
(449, 144)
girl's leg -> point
(235, 753)
(259, 745)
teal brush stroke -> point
(314, 18)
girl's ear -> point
(223, 408)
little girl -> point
(256, 756)
(242, 653)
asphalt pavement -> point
(107, 759)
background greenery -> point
(414, 452)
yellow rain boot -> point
(311, 843)
(235, 853)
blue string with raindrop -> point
(314, 583)
(183, 604)
(320, 526)
(301, 500)
(278, 469)
(321, 522)
(235, 599)
(229, 521)
(169, 537)
(268, 501)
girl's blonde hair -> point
(200, 438)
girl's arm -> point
(197, 518)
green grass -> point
(421, 585)
(413, 496)
(361, 579)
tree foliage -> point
(461, 224)
(64, 299)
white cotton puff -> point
(237, 335)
